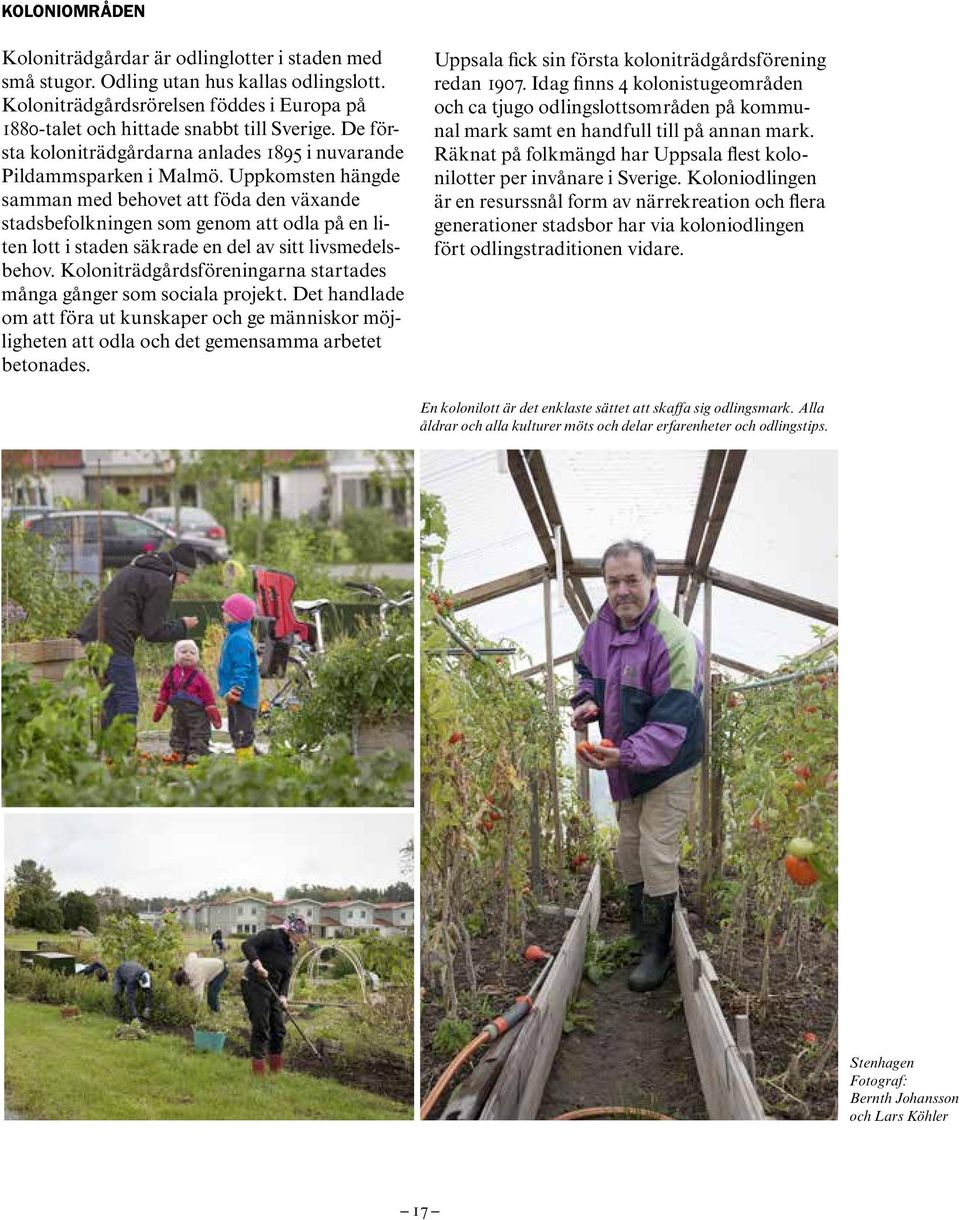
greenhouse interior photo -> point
(658, 941)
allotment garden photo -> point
(245, 627)
(594, 720)
(87, 1036)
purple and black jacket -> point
(648, 684)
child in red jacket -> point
(192, 704)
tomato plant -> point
(486, 741)
(776, 746)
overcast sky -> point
(177, 854)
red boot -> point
(259, 1067)
(276, 1063)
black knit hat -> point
(185, 557)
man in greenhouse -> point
(641, 677)
(136, 603)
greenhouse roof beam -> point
(576, 594)
(732, 465)
(532, 670)
(740, 666)
(520, 473)
(701, 515)
(477, 594)
(774, 597)
(591, 567)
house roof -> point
(393, 906)
(347, 902)
(226, 902)
(46, 459)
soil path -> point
(638, 1055)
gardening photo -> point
(628, 843)
(142, 982)
(208, 627)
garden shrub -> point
(39, 601)
(361, 678)
(55, 753)
(170, 1005)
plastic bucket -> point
(208, 1040)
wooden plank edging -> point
(519, 1088)
(728, 1091)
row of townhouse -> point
(244, 914)
(330, 483)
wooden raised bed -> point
(46, 658)
(520, 1084)
(728, 1090)
(388, 735)
(509, 1080)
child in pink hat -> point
(238, 674)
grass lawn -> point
(26, 938)
(77, 1069)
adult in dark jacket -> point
(134, 604)
(270, 955)
(129, 978)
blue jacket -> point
(238, 665)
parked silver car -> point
(196, 526)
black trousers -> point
(268, 1024)
(240, 722)
(190, 732)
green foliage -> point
(55, 753)
(486, 741)
(451, 1036)
(605, 957)
(579, 1015)
(39, 601)
(374, 537)
(36, 905)
(80, 910)
(362, 678)
(390, 957)
(170, 1006)
(124, 937)
(777, 746)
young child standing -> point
(238, 674)
(187, 693)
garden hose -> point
(490, 1033)
(612, 1112)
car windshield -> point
(190, 518)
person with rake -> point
(264, 987)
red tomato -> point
(801, 872)
(802, 772)
(455, 737)
(608, 744)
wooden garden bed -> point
(508, 1082)
(46, 658)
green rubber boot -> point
(635, 903)
(656, 956)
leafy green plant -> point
(39, 600)
(124, 937)
(55, 753)
(451, 1036)
(603, 958)
(579, 1015)
(361, 679)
